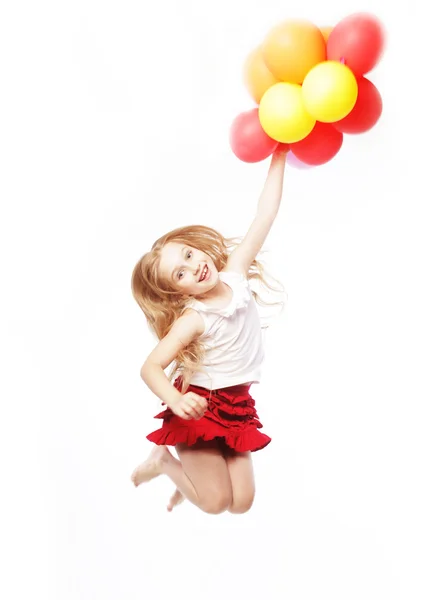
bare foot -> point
(151, 467)
(175, 500)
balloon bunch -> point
(309, 87)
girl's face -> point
(189, 270)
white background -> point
(114, 129)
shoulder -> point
(233, 273)
(233, 267)
(190, 324)
(183, 331)
(235, 264)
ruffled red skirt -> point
(230, 418)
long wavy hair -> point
(163, 304)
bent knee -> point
(241, 505)
(215, 504)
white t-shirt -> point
(232, 338)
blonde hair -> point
(163, 304)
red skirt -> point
(230, 418)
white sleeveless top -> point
(232, 338)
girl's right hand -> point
(189, 406)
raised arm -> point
(269, 203)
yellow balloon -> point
(330, 91)
(283, 115)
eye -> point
(180, 274)
(189, 254)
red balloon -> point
(320, 146)
(366, 112)
(248, 140)
(283, 147)
(358, 41)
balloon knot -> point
(343, 60)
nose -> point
(192, 268)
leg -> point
(240, 468)
(206, 467)
(176, 499)
(201, 476)
(151, 468)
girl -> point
(196, 298)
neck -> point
(219, 292)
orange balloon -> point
(292, 48)
(326, 32)
(257, 77)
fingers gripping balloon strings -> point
(309, 87)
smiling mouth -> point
(204, 273)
